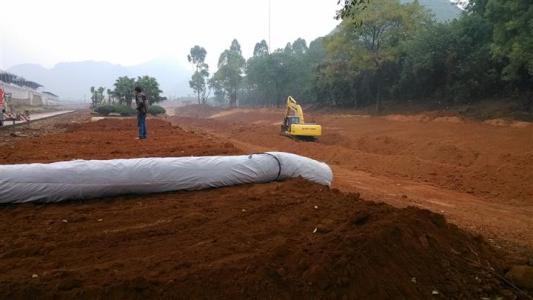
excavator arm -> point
(292, 105)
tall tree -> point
(150, 88)
(350, 8)
(100, 94)
(198, 80)
(123, 91)
(513, 36)
(97, 96)
(110, 96)
(215, 84)
(261, 49)
(369, 39)
(271, 77)
(229, 74)
(299, 47)
(449, 63)
(93, 97)
(259, 77)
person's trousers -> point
(141, 123)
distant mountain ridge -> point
(72, 80)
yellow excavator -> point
(294, 124)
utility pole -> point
(269, 23)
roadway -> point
(38, 116)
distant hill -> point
(72, 80)
(444, 10)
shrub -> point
(124, 110)
(104, 109)
(107, 109)
(156, 110)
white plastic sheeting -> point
(83, 179)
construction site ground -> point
(478, 174)
(290, 239)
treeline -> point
(389, 52)
(123, 91)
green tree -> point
(93, 97)
(299, 47)
(97, 96)
(350, 8)
(367, 44)
(271, 77)
(123, 91)
(150, 88)
(450, 62)
(198, 81)
(260, 82)
(512, 36)
(229, 74)
(261, 49)
(215, 84)
(100, 94)
(110, 96)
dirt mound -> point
(291, 239)
(197, 111)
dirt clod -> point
(360, 218)
(522, 276)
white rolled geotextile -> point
(84, 179)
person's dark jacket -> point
(142, 103)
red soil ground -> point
(291, 239)
(478, 174)
(108, 139)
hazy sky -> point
(132, 32)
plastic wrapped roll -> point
(84, 179)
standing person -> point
(2, 109)
(142, 110)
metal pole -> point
(269, 24)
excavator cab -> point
(294, 124)
(292, 120)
